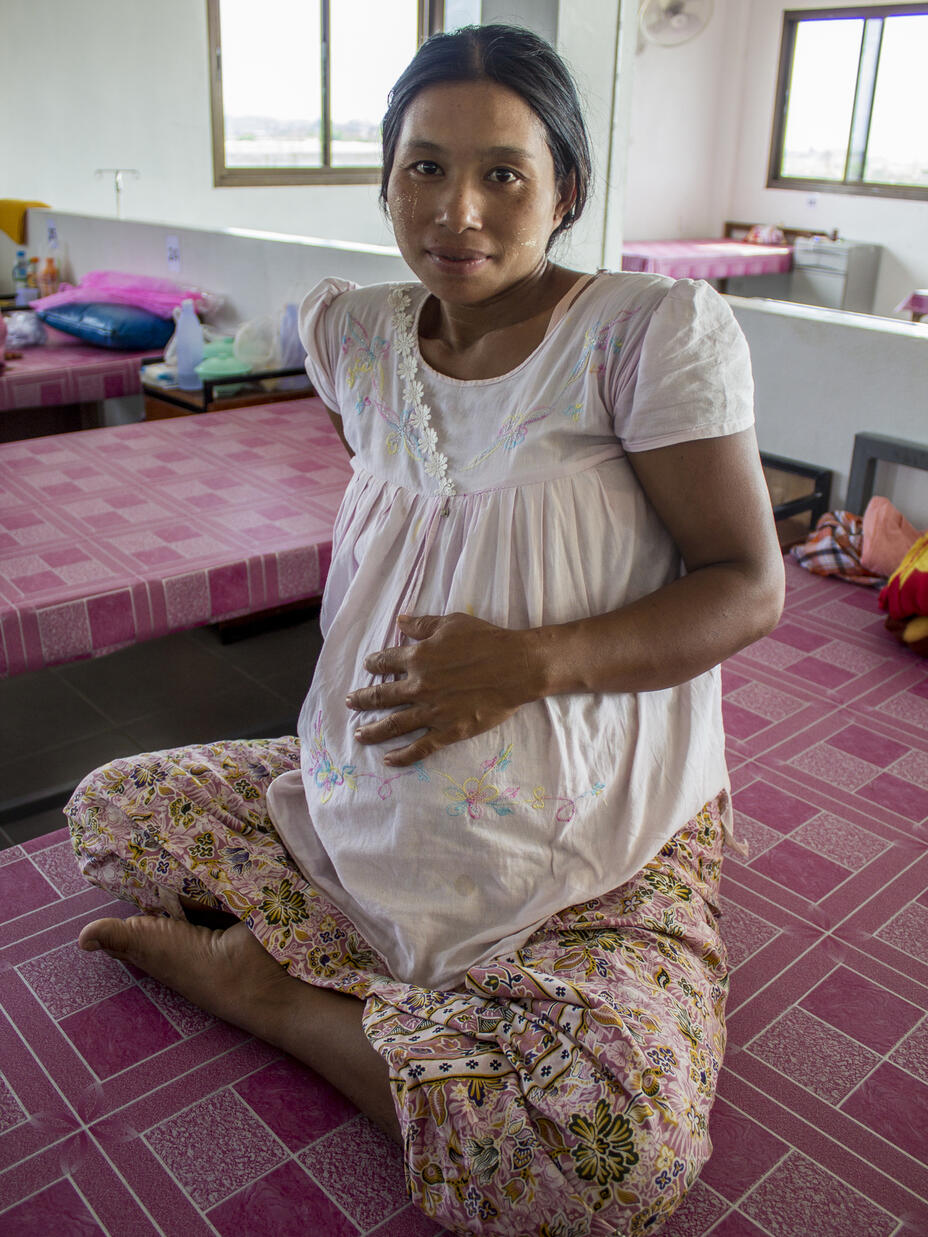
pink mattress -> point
(112, 536)
(64, 371)
(705, 259)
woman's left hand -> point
(461, 677)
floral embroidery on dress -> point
(329, 775)
(511, 434)
(417, 414)
(476, 793)
(566, 807)
(326, 773)
(514, 429)
(370, 355)
(411, 428)
(595, 340)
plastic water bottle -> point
(21, 269)
(188, 339)
(20, 276)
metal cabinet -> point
(836, 274)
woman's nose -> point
(459, 207)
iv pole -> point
(118, 174)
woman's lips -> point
(460, 261)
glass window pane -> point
(271, 83)
(821, 99)
(460, 13)
(897, 152)
(372, 42)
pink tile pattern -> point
(63, 371)
(113, 536)
(125, 1109)
(705, 259)
(367, 1197)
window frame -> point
(430, 20)
(863, 99)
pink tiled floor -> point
(124, 1110)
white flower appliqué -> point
(434, 461)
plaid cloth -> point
(834, 548)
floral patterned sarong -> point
(561, 1091)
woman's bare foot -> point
(226, 972)
(229, 974)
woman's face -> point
(472, 193)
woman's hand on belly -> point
(460, 677)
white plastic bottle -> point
(188, 340)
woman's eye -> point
(504, 176)
(425, 167)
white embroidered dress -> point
(510, 498)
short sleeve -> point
(321, 350)
(693, 375)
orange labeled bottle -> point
(48, 278)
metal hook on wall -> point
(117, 174)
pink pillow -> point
(765, 234)
(888, 537)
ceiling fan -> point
(668, 23)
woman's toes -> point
(108, 934)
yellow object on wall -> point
(13, 218)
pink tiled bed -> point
(125, 1111)
(112, 536)
(705, 259)
(63, 371)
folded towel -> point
(833, 549)
(13, 218)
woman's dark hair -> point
(519, 60)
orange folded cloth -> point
(13, 217)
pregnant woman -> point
(478, 891)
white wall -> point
(821, 376)
(254, 274)
(683, 130)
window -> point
(299, 87)
(850, 108)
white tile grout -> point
(60, 923)
(46, 1185)
(799, 1151)
(81, 1127)
(830, 933)
(86, 1201)
(802, 1087)
(48, 1013)
(157, 1227)
(320, 1184)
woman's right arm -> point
(339, 429)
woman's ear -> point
(568, 196)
